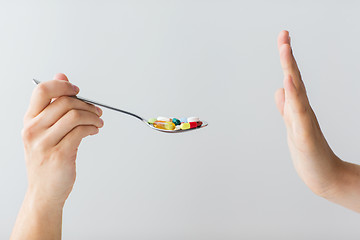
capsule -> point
(164, 119)
(176, 121)
(164, 125)
(193, 124)
(193, 119)
(184, 126)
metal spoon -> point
(132, 114)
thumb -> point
(61, 76)
(280, 100)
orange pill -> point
(164, 125)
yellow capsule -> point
(184, 126)
(164, 125)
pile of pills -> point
(172, 124)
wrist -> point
(38, 218)
(37, 201)
(331, 180)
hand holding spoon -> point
(204, 124)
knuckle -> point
(31, 137)
(40, 145)
(74, 115)
(28, 132)
(65, 102)
(41, 89)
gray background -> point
(214, 59)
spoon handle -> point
(100, 104)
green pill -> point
(176, 121)
(151, 120)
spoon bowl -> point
(204, 123)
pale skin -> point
(54, 126)
(317, 165)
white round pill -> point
(193, 119)
(165, 119)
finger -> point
(73, 139)
(69, 121)
(283, 38)
(289, 65)
(287, 60)
(46, 91)
(297, 99)
(280, 100)
(60, 76)
(57, 109)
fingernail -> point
(76, 89)
(102, 122)
(99, 110)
